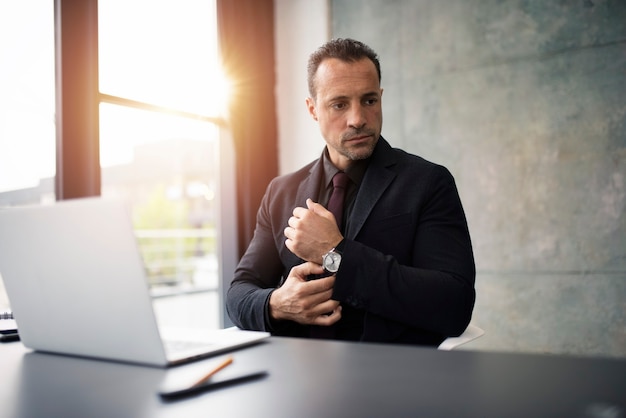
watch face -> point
(332, 261)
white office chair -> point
(471, 333)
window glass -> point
(167, 168)
(27, 106)
(164, 53)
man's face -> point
(348, 109)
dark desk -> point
(321, 379)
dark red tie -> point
(335, 204)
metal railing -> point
(179, 260)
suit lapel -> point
(309, 187)
(378, 177)
(376, 180)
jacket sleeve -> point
(256, 276)
(266, 263)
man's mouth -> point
(358, 137)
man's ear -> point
(310, 105)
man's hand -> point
(312, 232)
(305, 302)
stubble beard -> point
(360, 152)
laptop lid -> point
(77, 285)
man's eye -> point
(339, 106)
(371, 102)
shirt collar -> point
(355, 172)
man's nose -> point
(356, 117)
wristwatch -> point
(331, 261)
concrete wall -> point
(525, 102)
(300, 27)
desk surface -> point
(320, 379)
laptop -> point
(77, 285)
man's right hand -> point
(305, 302)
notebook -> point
(76, 284)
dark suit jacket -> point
(407, 260)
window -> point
(161, 100)
(161, 137)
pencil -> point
(225, 363)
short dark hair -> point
(348, 50)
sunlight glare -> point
(163, 53)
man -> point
(399, 266)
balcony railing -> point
(179, 260)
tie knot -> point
(341, 180)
